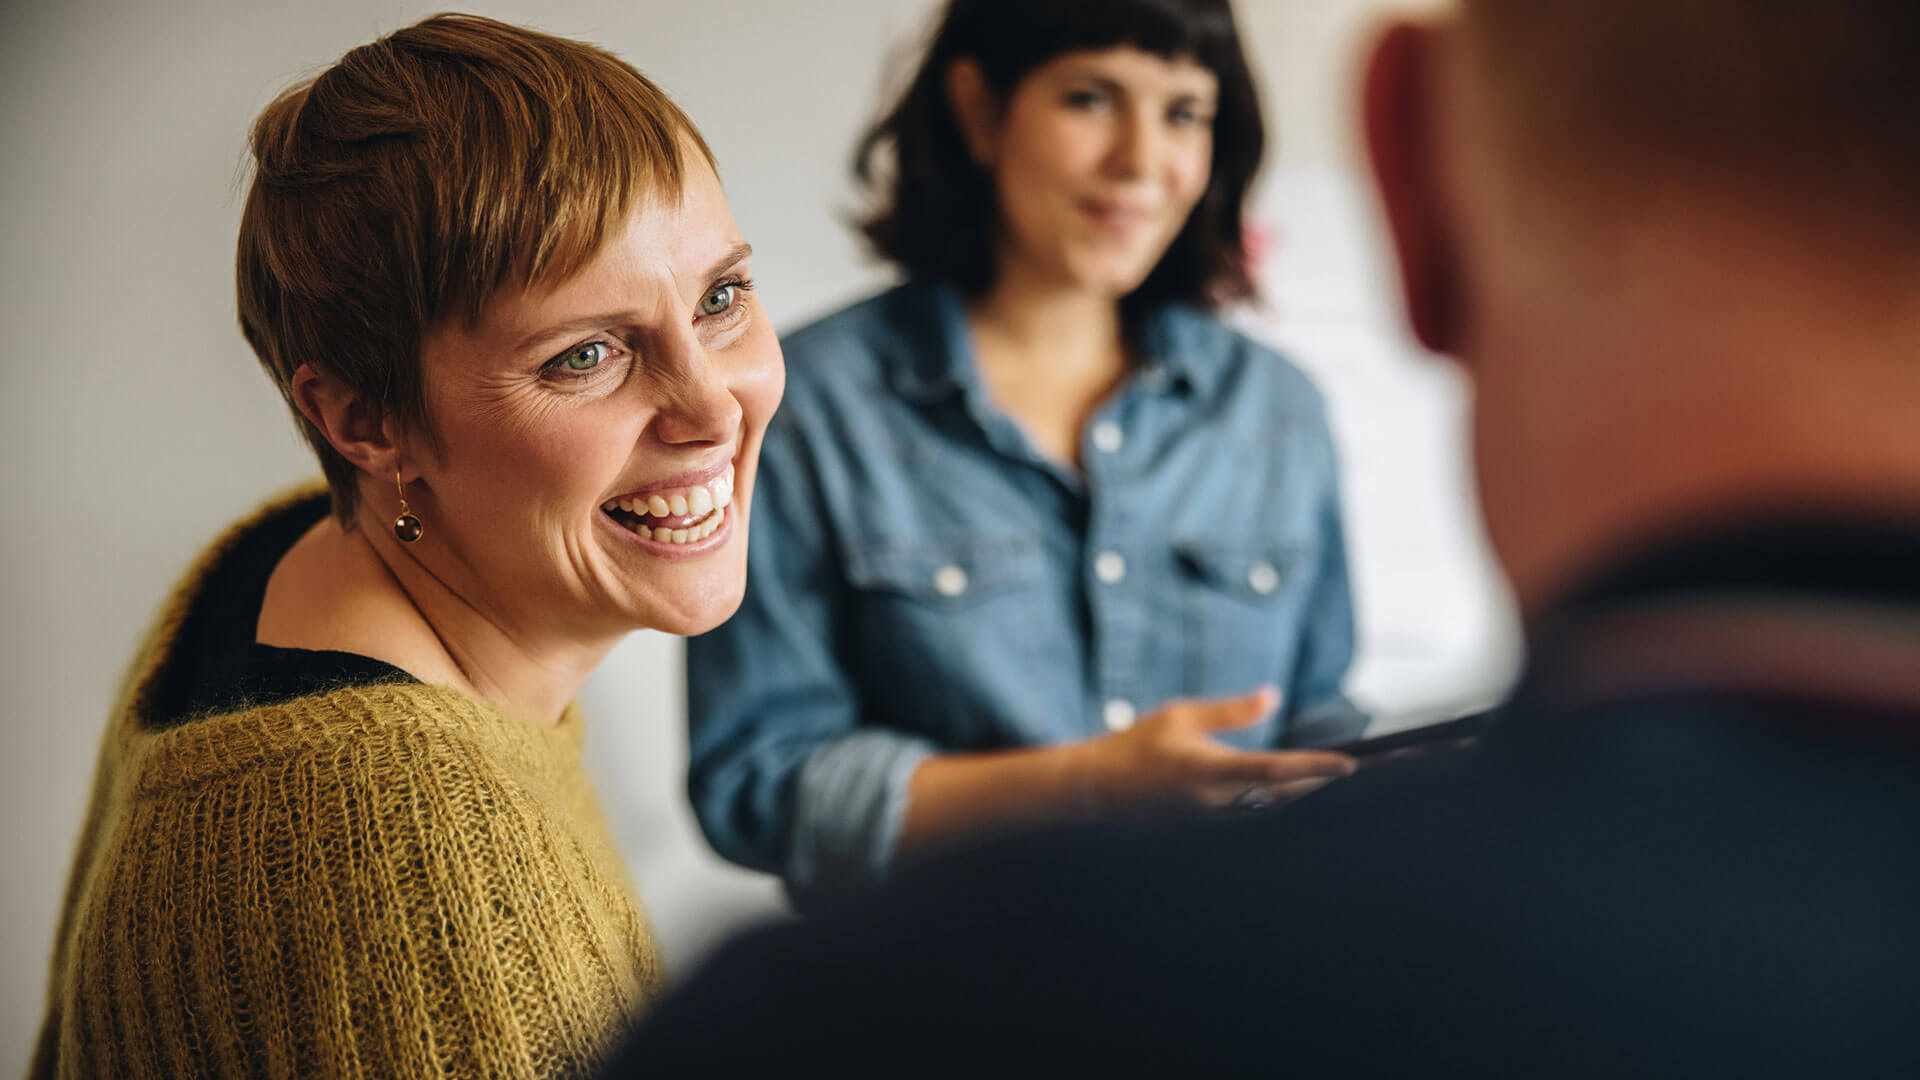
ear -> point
(1398, 102)
(358, 432)
(976, 110)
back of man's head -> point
(1677, 245)
(1807, 99)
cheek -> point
(1192, 170)
(1042, 169)
(762, 380)
(516, 460)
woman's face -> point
(594, 442)
(1098, 159)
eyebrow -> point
(735, 255)
(1112, 86)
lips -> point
(1115, 217)
(684, 514)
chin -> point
(695, 612)
(1104, 275)
(691, 624)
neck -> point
(1684, 392)
(1027, 319)
(365, 592)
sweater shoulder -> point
(370, 735)
(374, 874)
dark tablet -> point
(1431, 739)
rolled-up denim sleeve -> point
(781, 774)
(1319, 713)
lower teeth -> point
(688, 535)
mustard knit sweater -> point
(382, 881)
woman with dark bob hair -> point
(1053, 541)
(340, 825)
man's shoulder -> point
(1577, 896)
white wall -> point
(135, 423)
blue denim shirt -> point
(922, 580)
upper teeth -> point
(698, 501)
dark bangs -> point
(936, 215)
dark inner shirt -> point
(1835, 555)
(216, 666)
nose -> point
(1136, 141)
(695, 406)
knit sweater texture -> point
(389, 880)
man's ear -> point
(976, 109)
(358, 432)
(1401, 142)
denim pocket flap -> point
(1258, 571)
(950, 574)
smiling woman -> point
(1039, 498)
(339, 825)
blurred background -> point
(136, 424)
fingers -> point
(1277, 766)
(1265, 796)
(1226, 714)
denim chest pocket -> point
(1244, 606)
(946, 577)
(946, 634)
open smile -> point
(683, 520)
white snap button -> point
(1110, 567)
(1107, 437)
(949, 580)
(1118, 714)
(1263, 578)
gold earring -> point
(406, 527)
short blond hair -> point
(419, 174)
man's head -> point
(1673, 242)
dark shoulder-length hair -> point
(936, 214)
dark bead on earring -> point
(407, 528)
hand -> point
(1170, 760)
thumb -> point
(1226, 714)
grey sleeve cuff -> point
(849, 804)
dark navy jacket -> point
(1690, 845)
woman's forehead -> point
(1133, 65)
(662, 257)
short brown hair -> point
(420, 173)
(1802, 97)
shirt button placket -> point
(1115, 622)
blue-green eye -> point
(585, 357)
(719, 300)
